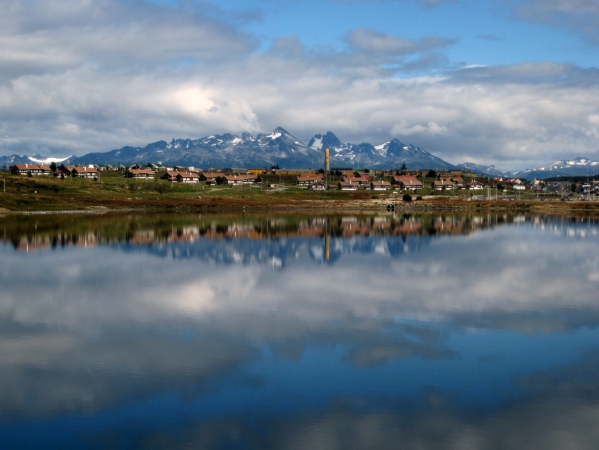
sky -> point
(512, 83)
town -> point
(419, 182)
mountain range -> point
(280, 148)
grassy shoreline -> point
(114, 193)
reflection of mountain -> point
(280, 252)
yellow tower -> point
(327, 165)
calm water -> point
(345, 332)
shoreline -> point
(390, 204)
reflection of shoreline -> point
(212, 228)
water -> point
(206, 331)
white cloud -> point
(371, 41)
(100, 74)
(579, 16)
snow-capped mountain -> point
(227, 150)
(577, 167)
(392, 154)
(485, 170)
(264, 150)
(283, 149)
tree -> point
(53, 166)
(431, 174)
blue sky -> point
(507, 82)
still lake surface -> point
(299, 332)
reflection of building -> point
(326, 227)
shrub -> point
(419, 197)
(407, 198)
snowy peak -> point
(485, 170)
(316, 142)
(319, 142)
(265, 150)
(576, 167)
(576, 162)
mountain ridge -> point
(281, 148)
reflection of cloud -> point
(510, 270)
(543, 425)
(47, 372)
(111, 324)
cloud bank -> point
(93, 75)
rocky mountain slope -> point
(281, 148)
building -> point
(458, 182)
(442, 184)
(33, 169)
(360, 181)
(211, 177)
(407, 182)
(140, 173)
(475, 185)
(239, 180)
(380, 185)
(187, 177)
(347, 186)
(308, 179)
(318, 186)
(170, 175)
(84, 172)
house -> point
(407, 182)
(318, 186)
(347, 186)
(442, 184)
(211, 177)
(182, 169)
(140, 173)
(360, 181)
(308, 179)
(239, 180)
(66, 170)
(380, 185)
(170, 175)
(187, 177)
(475, 185)
(84, 172)
(33, 169)
(458, 182)
(257, 171)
